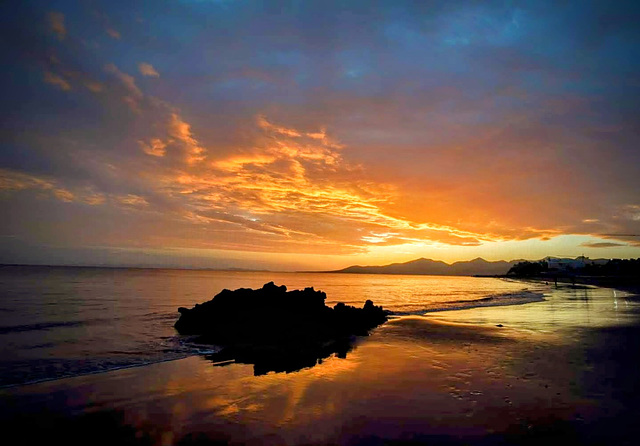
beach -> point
(320, 223)
(563, 369)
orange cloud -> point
(287, 189)
(56, 24)
(113, 33)
(56, 81)
(94, 86)
(297, 187)
(155, 147)
(181, 131)
(238, 163)
(13, 181)
(178, 139)
(133, 94)
(131, 200)
(146, 69)
(263, 123)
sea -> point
(58, 322)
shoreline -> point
(626, 284)
(93, 372)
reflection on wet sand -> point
(282, 359)
(551, 371)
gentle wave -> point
(50, 370)
(53, 325)
(39, 326)
(15, 372)
(195, 348)
(502, 297)
(497, 300)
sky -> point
(314, 135)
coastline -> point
(562, 369)
(628, 284)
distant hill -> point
(424, 266)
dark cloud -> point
(602, 245)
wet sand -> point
(561, 370)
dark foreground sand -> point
(562, 371)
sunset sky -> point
(318, 134)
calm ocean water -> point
(62, 321)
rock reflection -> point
(283, 359)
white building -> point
(564, 264)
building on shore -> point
(568, 264)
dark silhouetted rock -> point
(276, 329)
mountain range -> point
(424, 266)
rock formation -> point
(276, 329)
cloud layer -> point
(324, 128)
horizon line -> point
(243, 269)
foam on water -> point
(497, 300)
